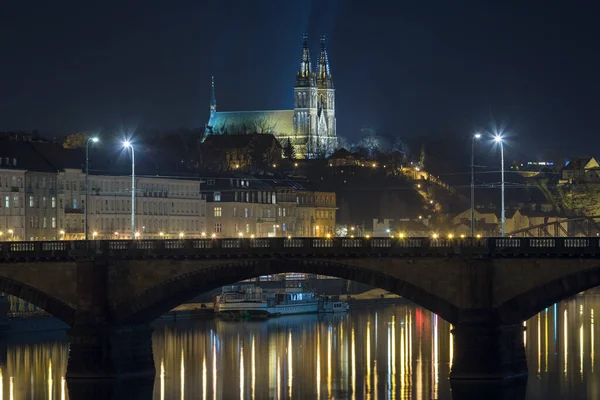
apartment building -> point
(164, 207)
(239, 205)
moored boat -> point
(252, 302)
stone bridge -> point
(108, 292)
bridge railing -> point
(396, 247)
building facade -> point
(239, 206)
(310, 126)
(164, 207)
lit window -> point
(217, 196)
(31, 202)
(245, 212)
(53, 222)
(74, 204)
(7, 202)
(218, 211)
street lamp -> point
(62, 235)
(498, 139)
(127, 144)
(94, 234)
(87, 172)
(475, 136)
(12, 234)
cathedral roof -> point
(271, 121)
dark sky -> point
(406, 68)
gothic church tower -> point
(314, 105)
(326, 135)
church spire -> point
(305, 73)
(324, 74)
(213, 98)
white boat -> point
(253, 302)
(332, 304)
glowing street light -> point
(181, 235)
(137, 235)
(435, 236)
(498, 139)
(92, 139)
(214, 235)
(251, 236)
(401, 235)
(62, 234)
(241, 234)
(368, 236)
(95, 234)
(450, 236)
(328, 236)
(127, 145)
(475, 136)
(203, 234)
(161, 234)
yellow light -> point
(61, 232)
(374, 165)
(214, 235)
(419, 186)
(430, 201)
(450, 236)
(161, 234)
(289, 237)
(1, 233)
(251, 236)
(328, 236)
(420, 217)
(462, 236)
(352, 236)
(181, 234)
(203, 234)
(116, 233)
(137, 234)
(352, 228)
(237, 165)
(368, 236)
(478, 236)
(295, 164)
(435, 236)
(240, 234)
(274, 165)
(401, 235)
(392, 236)
(95, 234)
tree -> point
(288, 150)
(371, 143)
(76, 140)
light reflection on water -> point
(393, 352)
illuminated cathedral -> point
(310, 126)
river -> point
(390, 352)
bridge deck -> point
(304, 247)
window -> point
(44, 223)
(16, 201)
(247, 228)
(217, 228)
(284, 211)
(44, 202)
(7, 202)
(246, 212)
(217, 196)
(279, 211)
(210, 182)
(53, 201)
(74, 204)
(54, 222)
(268, 213)
(283, 227)
(218, 211)
(31, 202)
(274, 198)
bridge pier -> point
(105, 352)
(486, 349)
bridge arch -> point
(38, 298)
(531, 302)
(163, 297)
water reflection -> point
(396, 352)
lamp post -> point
(87, 172)
(475, 136)
(498, 139)
(127, 144)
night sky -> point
(402, 68)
